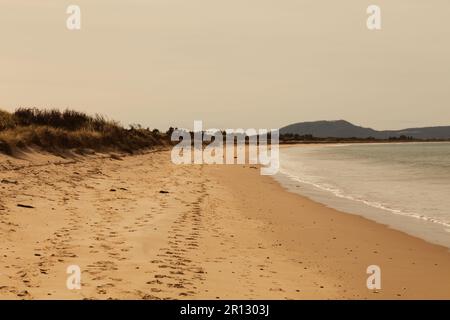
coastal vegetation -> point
(58, 131)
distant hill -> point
(345, 129)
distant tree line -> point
(291, 138)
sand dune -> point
(140, 227)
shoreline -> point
(340, 246)
(429, 229)
(140, 227)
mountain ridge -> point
(345, 129)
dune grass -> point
(59, 131)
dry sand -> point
(218, 232)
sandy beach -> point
(140, 227)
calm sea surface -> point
(403, 185)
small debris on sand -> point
(9, 181)
(25, 206)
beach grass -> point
(57, 131)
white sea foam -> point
(339, 193)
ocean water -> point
(403, 185)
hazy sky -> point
(230, 63)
